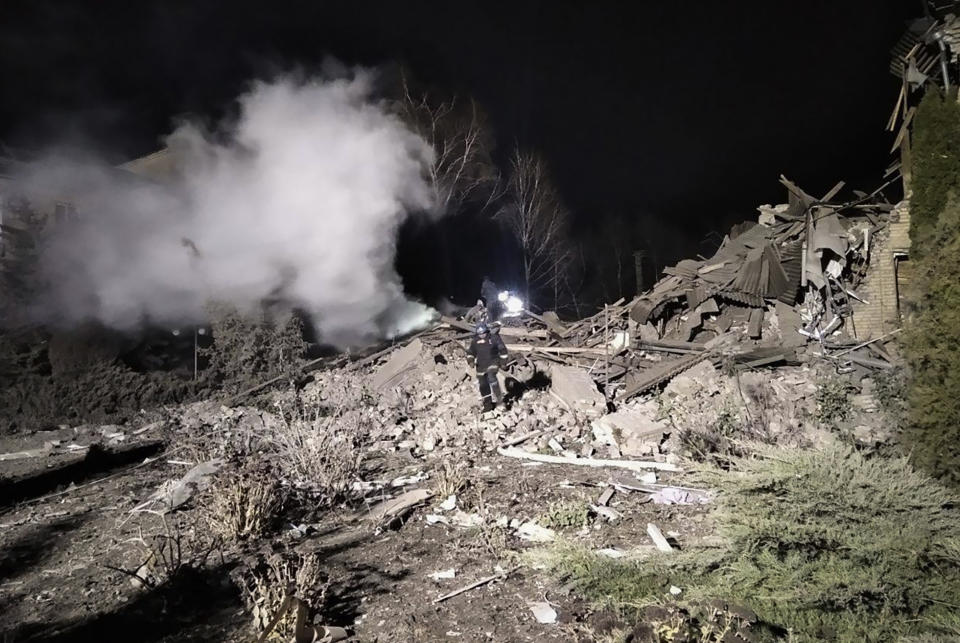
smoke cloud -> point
(299, 198)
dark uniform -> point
(491, 295)
(487, 349)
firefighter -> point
(477, 314)
(487, 351)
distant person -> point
(477, 314)
(487, 351)
(491, 294)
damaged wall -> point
(882, 313)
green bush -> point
(935, 166)
(826, 545)
(833, 402)
(932, 348)
(932, 337)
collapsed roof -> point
(805, 251)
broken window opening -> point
(903, 277)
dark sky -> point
(680, 116)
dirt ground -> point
(66, 525)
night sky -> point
(676, 117)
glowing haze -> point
(300, 198)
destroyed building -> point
(819, 267)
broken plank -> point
(456, 323)
(474, 585)
(510, 331)
(692, 347)
(559, 350)
(868, 362)
(833, 191)
(390, 509)
(755, 323)
(658, 538)
(554, 326)
(631, 465)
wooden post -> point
(606, 352)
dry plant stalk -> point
(451, 479)
(244, 505)
(268, 584)
(322, 455)
(166, 556)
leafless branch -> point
(535, 216)
(456, 129)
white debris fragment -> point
(605, 512)
(678, 496)
(449, 504)
(463, 519)
(675, 590)
(543, 612)
(535, 533)
(647, 477)
(403, 481)
(445, 574)
(658, 538)
(611, 553)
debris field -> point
(396, 510)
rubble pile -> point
(777, 292)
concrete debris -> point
(605, 512)
(734, 345)
(399, 506)
(446, 574)
(634, 430)
(533, 532)
(658, 538)
(543, 612)
(467, 520)
(176, 493)
(399, 366)
(679, 496)
(611, 553)
(576, 390)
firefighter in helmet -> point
(487, 352)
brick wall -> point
(881, 314)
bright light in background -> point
(514, 305)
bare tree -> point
(538, 220)
(456, 129)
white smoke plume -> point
(299, 198)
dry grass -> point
(244, 505)
(321, 455)
(267, 584)
(451, 478)
(167, 555)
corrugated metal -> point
(791, 262)
(742, 298)
(696, 296)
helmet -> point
(481, 329)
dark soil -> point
(71, 523)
